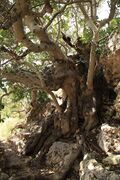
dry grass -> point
(8, 125)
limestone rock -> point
(114, 42)
(112, 160)
(90, 169)
(109, 139)
(59, 154)
(4, 176)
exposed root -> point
(34, 145)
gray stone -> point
(112, 160)
(4, 176)
(59, 154)
(90, 169)
(109, 139)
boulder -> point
(91, 169)
(109, 139)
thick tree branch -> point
(54, 100)
(12, 15)
(31, 80)
(21, 37)
(18, 28)
(46, 44)
(95, 39)
(43, 85)
(91, 68)
(39, 75)
(93, 10)
(88, 19)
(26, 78)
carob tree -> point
(31, 26)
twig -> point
(15, 56)
(55, 15)
(6, 94)
(73, 2)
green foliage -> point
(1, 105)
(6, 37)
(113, 25)
(37, 2)
(43, 97)
(8, 125)
(105, 34)
(38, 59)
(2, 87)
(87, 35)
(19, 93)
